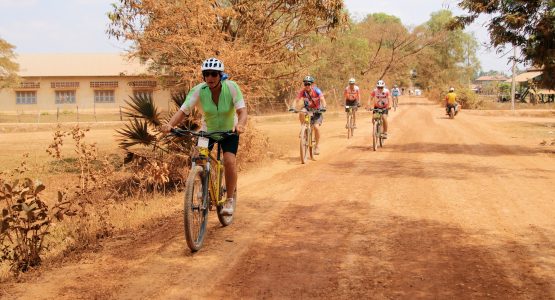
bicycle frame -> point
(205, 157)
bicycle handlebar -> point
(183, 132)
(320, 110)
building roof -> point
(106, 64)
(492, 78)
(525, 76)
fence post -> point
(77, 114)
(57, 114)
(120, 117)
(94, 111)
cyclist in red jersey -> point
(381, 98)
(313, 99)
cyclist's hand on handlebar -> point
(166, 128)
(323, 109)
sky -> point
(79, 26)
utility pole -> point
(513, 85)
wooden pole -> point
(513, 84)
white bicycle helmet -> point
(351, 81)
(380, 83)
(308, 78)
(212, 64)
(451, 89)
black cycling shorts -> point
(229, 143)
(352, 103)
(385, 111)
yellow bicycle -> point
(307, 135)
(205, 188)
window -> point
(65, 97)
(143, 93)
(26, 97)
(104, 96)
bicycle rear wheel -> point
(225, 220)
(451, 113)
(375, 136)
(304, 144)
(195, 208)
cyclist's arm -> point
(323, 101)
(190, 102)
(240, 106)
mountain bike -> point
(307, 138)
(350, 120)
(377, 124)
(205, 189)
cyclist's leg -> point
(384, 118)
(229, 145)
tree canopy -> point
(8, 66)
(527, 24)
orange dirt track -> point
(448, 209)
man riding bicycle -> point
(224, 109)
(352, 98)
(396, 92)
(381, 98)
(451, 101)
(313, 99)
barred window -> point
(64, 84)
(143, 84)
(65, 97)
(26, 97)
(104, 84)
(143, 93)
(104, 96)
(29, 85)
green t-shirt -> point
(222, 117)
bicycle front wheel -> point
(311, 142)
(349, 125)
(195, 208)
(304, 140)
(380, 134)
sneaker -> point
(227, 209)
(316, 150)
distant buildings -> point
(87, 82)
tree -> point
(451, 60)
(528, 24)
(259, 41)
(8, 68)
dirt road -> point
(448, 209)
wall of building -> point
(84, 88)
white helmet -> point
(212, 64)
(380, 83)
(452, 89)
(352, 80)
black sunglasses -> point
(207, 73)
(307, 83)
